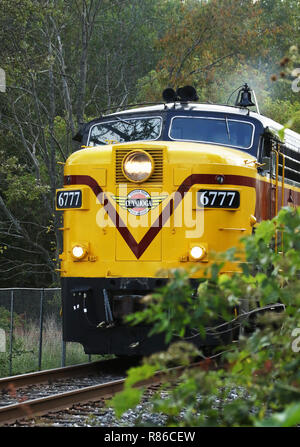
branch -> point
(208, 67)
(22, 230)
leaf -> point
(129, 398)
(138, 374)
(281, 133)
(288, 418)
(265, 230)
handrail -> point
(278, 154)
(276, 192)
(282, 191)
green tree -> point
(64, 61)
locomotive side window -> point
(289, 157)
(222, 131)
(128, 129)
(292, 164)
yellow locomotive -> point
(156, 188)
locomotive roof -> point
(292, 139)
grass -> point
(26, 349)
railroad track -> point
(20, 394)
(50, 375)
(55, 402)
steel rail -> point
(57, 402)
(49, 375)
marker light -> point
(253, 220)
(197, 252)
(138, 166)
(79, 252)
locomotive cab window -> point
(121, 130)
(265, 155)
(226, 132)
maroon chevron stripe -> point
(139, 248)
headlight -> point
(197, 252)
(79, 252)
(138, 166)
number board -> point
(210, 198)
(69, 199)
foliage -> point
(283, 112)
(18, 346)
(25, 353)
(131, 396)
(257, 381)
(5, 319)
(222, 45)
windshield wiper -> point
(227, 127)
(123, 121)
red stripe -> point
(139, 248)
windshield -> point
(125, 129)
(223, 131)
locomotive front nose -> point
(133, 212)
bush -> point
(5, 319)
(257, 382)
